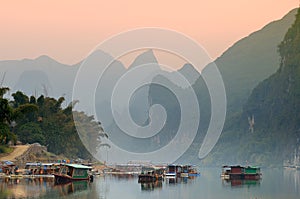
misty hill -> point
(243, 66)
(46, 76)
(144, 58)
(272, 137)
(42, 75)
(248, 62)
(189, 72)
(251, 60)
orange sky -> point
(68, 30)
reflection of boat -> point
(175, 180)
(239, 172)
(149, 186)
(238, 182)
(25, 188)
(72, 187)
(72, 172)
(151, 174)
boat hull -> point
(184, 175)
(61, 179)
(194, 174)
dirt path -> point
(18, 150)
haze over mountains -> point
(255, 55)
(243, 66)
(266, 131)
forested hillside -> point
(267, 132)
(44, 120)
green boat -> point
(239, 172)
(72, 172)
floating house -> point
(151, 174)
(239, 172)
(72, 172)
(173, 170)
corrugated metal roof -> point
(78, 166)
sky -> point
(68, 30)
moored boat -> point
(185, 171)
(40, 169)
(173, 171)
(72, 172)
(193, 171)
(151, 174)
(239, 172)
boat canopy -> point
(78, 166)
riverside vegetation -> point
(46, 121)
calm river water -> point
(275, 183)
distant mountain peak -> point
(188, 68)
(46, 59)
(189, 72)
(147, 57)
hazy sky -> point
(68, 30)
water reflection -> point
(150, 186)
(292, 177)
(72, 187)
(24, 188)
(241, 183)
(40, 187)
(275, 184)
(179, 180)
(122, 176)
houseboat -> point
(188, 171)
(239, 172)
(38, 169)
(124, 169)
(173, 171)
(193, 171)
(72, 172)
(185, 171)
(151, 174)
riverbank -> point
(30, 153)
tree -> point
(30, 133)
(5, 119)
(20, 99)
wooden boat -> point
(72, 172)
(41, 169)
(124, 169)
(188, 171)
(193, 172)
(185, 171)
(173, 171)
(151, 174)
(239, 172)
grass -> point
(5, 149)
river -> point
(275, 184)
